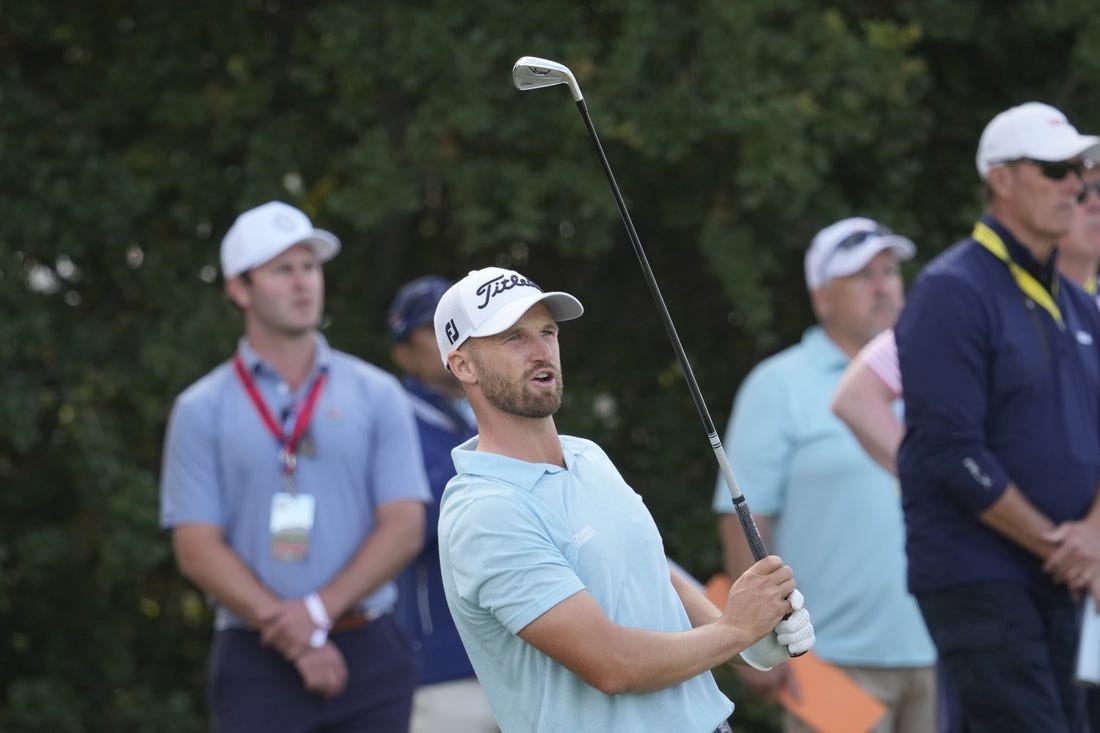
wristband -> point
(321, 621)
(317, 611)
(318, 638)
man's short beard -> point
(513, 399)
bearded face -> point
(536, 393)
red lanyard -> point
(288, 453)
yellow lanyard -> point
(1024, 279)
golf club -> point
(530, 72)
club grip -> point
(748, 527)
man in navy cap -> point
(449, 696)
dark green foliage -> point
(132, 132)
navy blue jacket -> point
(996, 391)
(421, 605)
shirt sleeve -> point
(398, 464)
(943, 341)
(881, 357)
(503, 560)
(189, 487)
(758, 442)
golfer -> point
(553, 568)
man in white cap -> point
(1000, 462)
(818, 499)
(553, 568)
(294, 492)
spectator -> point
(819, 501)
(1000, 462)
(553, 568)
(867, 397)
(294, 492)
(449, 697)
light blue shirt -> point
(837, 518)
(516, 539)
(221, 466)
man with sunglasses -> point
(1000, 462)
(811, 480)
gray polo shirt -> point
(221, 465)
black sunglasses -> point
(1056, 170)
(853, 240)
(1085, 188)
(857, 238)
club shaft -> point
(752, 534)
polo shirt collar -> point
(257, 366)
(822, 350)
(522, 474)
(1022, 256)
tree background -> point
(132, 132)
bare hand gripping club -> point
(531, 72)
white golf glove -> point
(792, 636)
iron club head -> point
(531, 72)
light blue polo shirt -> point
(837, 517)
(221, 466)
(516, 539)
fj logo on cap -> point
(452, 331)
(501, 284)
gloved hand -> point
(796, 632)
(793, 635)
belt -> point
(354, 619)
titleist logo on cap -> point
(501, 284)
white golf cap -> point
(267, 231)
(489, 301)
(843, 248)
(1035, 131)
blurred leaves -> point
(134, 131)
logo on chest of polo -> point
(585, 533)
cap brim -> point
(1082, 145)
(848, 263)
(1092, 152)
(562, 307)
(324, 244)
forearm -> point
(700, 610)
(1013, 516)
(865, 404)
(396, 539)
(617, 659)
(211, 564)
(650, 660)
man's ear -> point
(819, 301)
(401, 357)
(462, 366)
(999, 179)
(238, 291)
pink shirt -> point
(881, 355)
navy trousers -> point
(253, 688)
(1010, 652)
